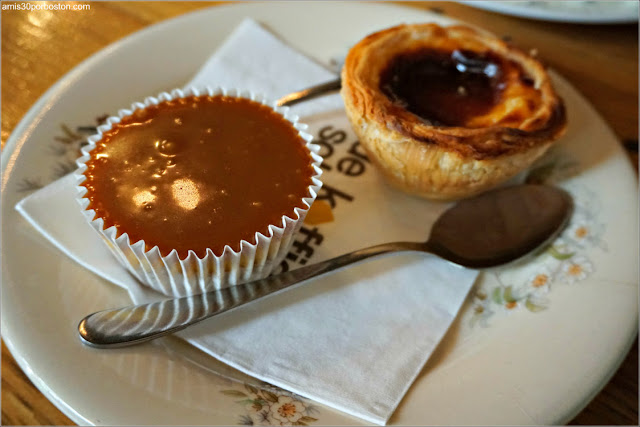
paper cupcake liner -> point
(193, 275)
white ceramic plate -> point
(579, 12)
(504, 360)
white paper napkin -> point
(354, 340)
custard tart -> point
(448, 112)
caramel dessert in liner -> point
(199, 190)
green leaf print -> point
(496, 296)
(533, 307)
(251, 389)
(234, 393)
(508, 294)
(559, 255)
(271, 397)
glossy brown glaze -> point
(198, 173)
(454, 88)
(445, 88)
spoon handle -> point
(310, 93)
(286, 101)
(135, 324)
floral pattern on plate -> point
(526, 285)
(566, 261)
(65, 150)
(271, 406)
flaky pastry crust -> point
(450, 162)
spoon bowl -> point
(500, 226)
(485, 231)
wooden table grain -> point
(39, 47)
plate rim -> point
(21, 132)
(509, 8)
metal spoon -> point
(285, 101)
(309, 93)
(485, 231)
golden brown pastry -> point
(448, 112)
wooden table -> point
(39, 47)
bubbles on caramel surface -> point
(197, 173)
(166, 148)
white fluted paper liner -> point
(192, 275)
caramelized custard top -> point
(197, 173)
(459, 88)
